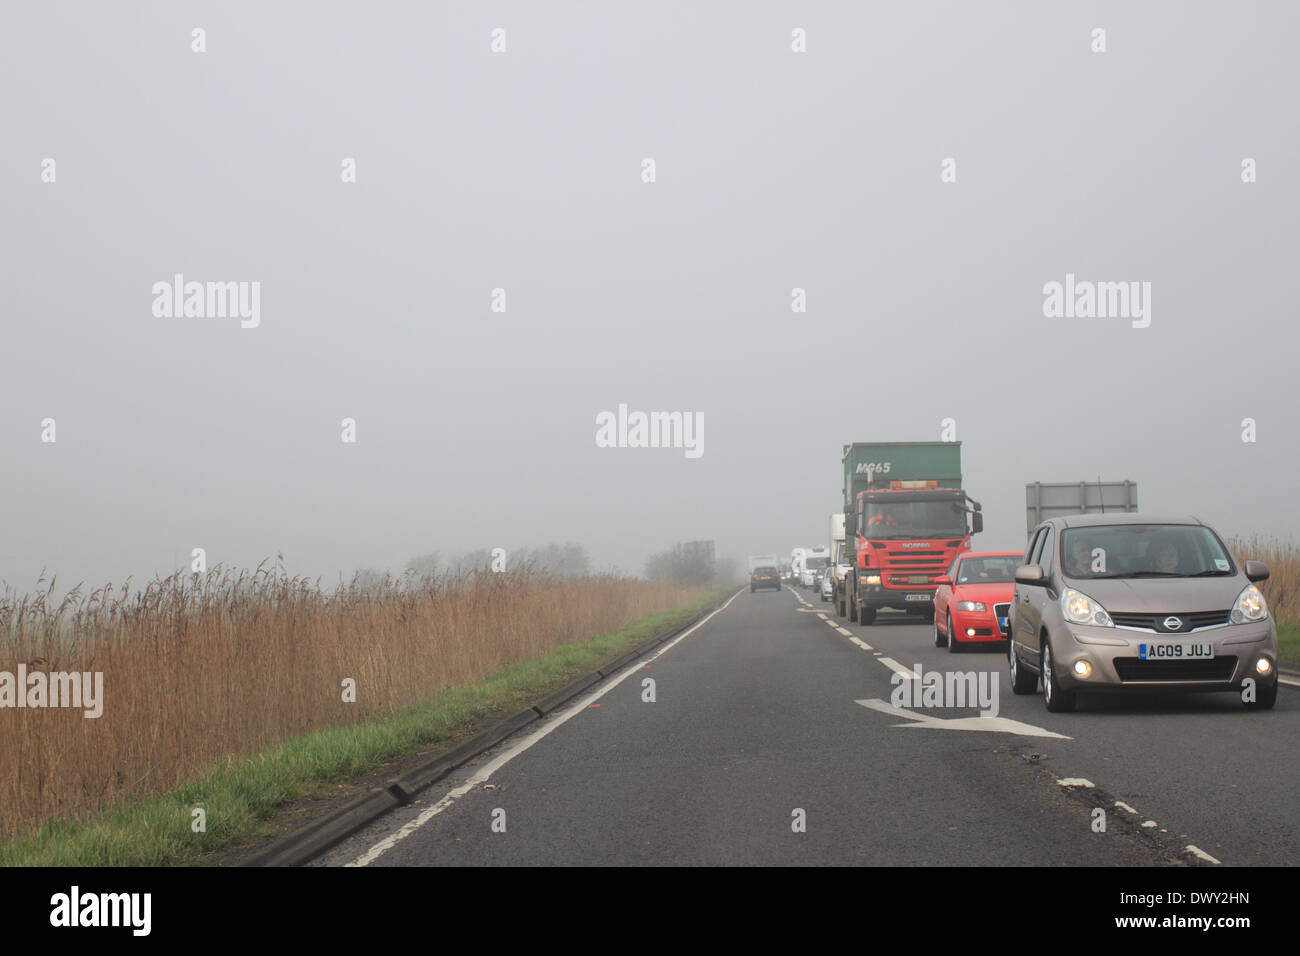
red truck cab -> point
(907, 534)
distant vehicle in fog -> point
(814, 559)
(826, 584)
(764, 577)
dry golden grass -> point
(202, 670)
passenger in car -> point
(1166, 557)
(1080, 561)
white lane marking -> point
(1124, 806)
(1290, 682)
(861, 643)
(1150, 823)
(898, 668)
(1200, 854)
(844, 630)
(485, 772)
(997, 725)
(822, 615)
(1077, 782)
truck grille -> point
(1216, 669)
(1155, 622)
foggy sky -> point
(522, 170)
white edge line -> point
(484, 773)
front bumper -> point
(1116, 659)
(983, 623)
(876, 597)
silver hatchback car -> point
(1107, 602)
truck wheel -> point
(867, 615)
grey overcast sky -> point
(522, 170)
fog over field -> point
(507, 267)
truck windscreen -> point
(812, 564)
(914, 519)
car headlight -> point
(1250, 606)
(1078, 608)
(873, 579)
(971, 606)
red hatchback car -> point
(973, 601)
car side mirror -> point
(1031, 574)
(1256, 571)
(943, 579)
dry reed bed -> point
(196, 672)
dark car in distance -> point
(764, 577)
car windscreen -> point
(765, 570)
(987, 570)
(1144, 551)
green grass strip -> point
(240, 798)
(1288, 643)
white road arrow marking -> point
(997, 725)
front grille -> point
(1000, 611)
(1155, 622)
(1215, 669)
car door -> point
(943, 593)
(1036, 598)
(1020, 597)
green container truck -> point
(907, 517)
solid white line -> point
(1289, 681)
(898, 668)
(485, 772)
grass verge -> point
(240, 797)
(1288, 643)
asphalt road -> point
(757, 750)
